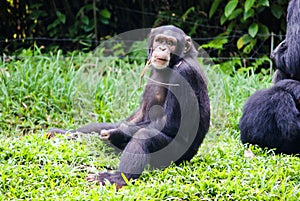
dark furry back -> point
(271, 118)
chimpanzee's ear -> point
(150, 50)
(188, 44)
(150, 43)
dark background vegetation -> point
(225, 28)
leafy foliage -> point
(78, 24)
(74, 22)
(243, 20)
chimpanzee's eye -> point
(159, 40)
(170, 43)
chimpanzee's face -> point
(163, 46)
(278, 55)
(167, 44)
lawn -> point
(39, 91)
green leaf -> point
(229, 8)
(89, 27)
(230, 27)
(250, 46)
(53, 25)
(214, 7)
(216, 43)
(61, 17)
(253, 29)
(85, 8)
(248, 14)
(264, 31)
(235, 14)
(104, 21)
(223, 19)
(105, 13)
(244, 40)
(276, 11)
(185, 15)
(248, 5)
(263, 3)
(85, 20)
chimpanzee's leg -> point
(89, 128)
(95, 127)
(117, 134)
(136, 155)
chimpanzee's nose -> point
(162, 48)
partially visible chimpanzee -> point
(271, 118)
(286, 55)
(174, 114)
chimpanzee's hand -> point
(104, 135)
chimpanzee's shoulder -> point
(188, 67)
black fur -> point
(175, 121)
(286, 55)
(271, 118)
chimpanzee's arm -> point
(121, 135)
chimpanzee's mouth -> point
(161, 59)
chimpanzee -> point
(174, 114)
(271, 118)
(286, 55)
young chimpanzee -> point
(286, 55)
(271, 118)
(174, 114)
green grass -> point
(39, 91)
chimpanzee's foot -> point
(113, 178)
(51, 133)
